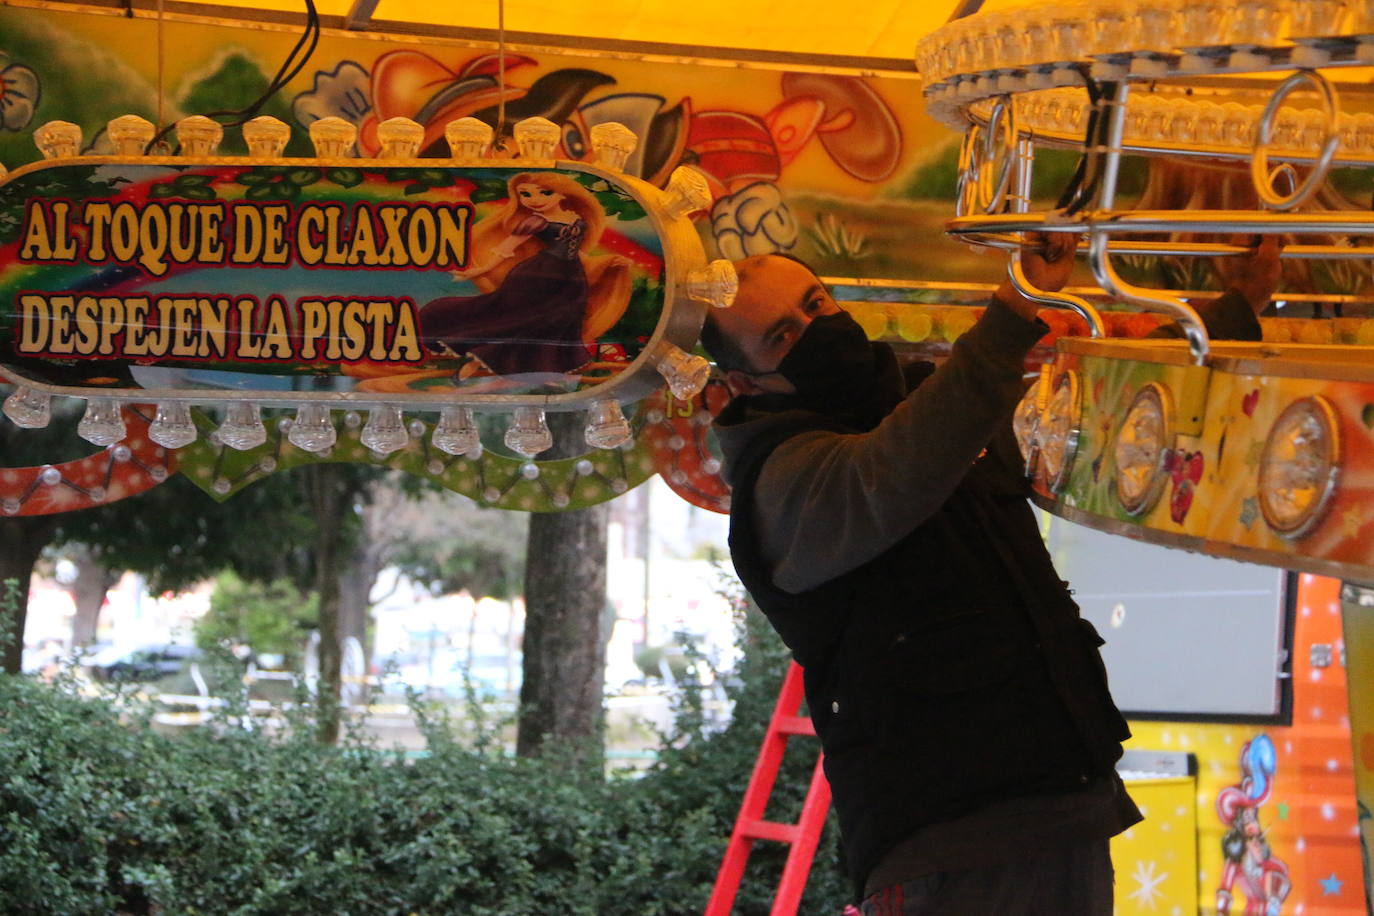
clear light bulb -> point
(313, 429)
(716, 283)
(29, 408)
(686, 374)
(199, 135)
(687, 192)
(242, 428)
(385, 430)
(129, 134)
(606, 425)
(266, 137)
(537, 138)
(102, 423)
(172, 427)
(400, 138)
(456, 433)
(468, 138)
(58, 139)
(529, 432)
(612, 144)
(333, 137)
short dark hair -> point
(722, 348)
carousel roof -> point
(883, 31)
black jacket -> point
(956, 691)
(949, 672)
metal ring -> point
(992, 191)
(969, 163)
(1259, 164)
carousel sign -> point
(397, 283)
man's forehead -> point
(771, 268)
(768, 283)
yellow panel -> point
(1156, 860)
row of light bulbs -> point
(312, 429)
(469, 139)
(1049, 36)
(686, 375)
(1154, 119)
(334, 138)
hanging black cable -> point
(290, 68)
(1087, 178)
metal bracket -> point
(1153, 300)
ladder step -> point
(769, 830)
(793, 725)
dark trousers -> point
(1069, 881)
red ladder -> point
(750, 825)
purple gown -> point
(533, 321)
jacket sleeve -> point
(829, 502)
(1227, 317)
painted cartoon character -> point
(1250, 864)
(543, 300)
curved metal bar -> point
(1197, 249)
(1060, 300)
(1229, 222)
(1259, 164)
(965, 189)
(992, 186)
(1193, 329)
(1024, 161)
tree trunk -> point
(355, 585)
(330, 495)
(88, 590)
(22, 539)
(564, 652)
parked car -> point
(145, 663)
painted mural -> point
(841, 169)
(1272, 808)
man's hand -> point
(1047, 259)
(1254, 275)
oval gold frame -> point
(1319, 408)
(1161, 395)
(1058, 478)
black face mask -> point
(829, 360)
(836, 370)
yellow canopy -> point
(814, 28)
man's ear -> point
(741, 383)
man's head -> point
(778, 298)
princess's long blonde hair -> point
(608, 283)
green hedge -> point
(101, 815)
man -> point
(879, 520)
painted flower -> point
(345, 92)
(1185, 471)
(754, 220)
(19, 91)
